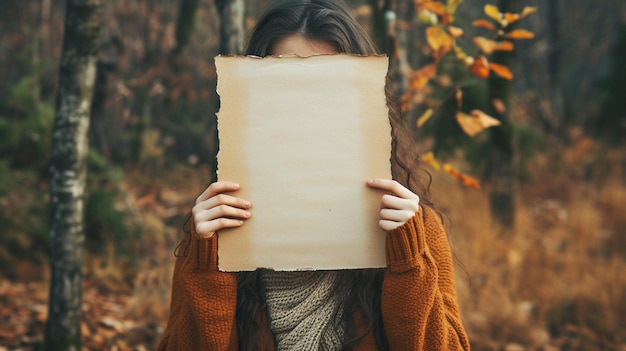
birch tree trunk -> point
(232, 37)
(232, 31)
(68, 171)
(402, 26)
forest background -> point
(551, 277)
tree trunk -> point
(554, 67)
(232, 30)
(383, 21)
(391, 39)
(185, 24)
(502, 158)
(232, 34)
(68, 171)
(397, 17)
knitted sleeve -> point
(419, 303)
(203, 303)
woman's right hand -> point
(214, 210)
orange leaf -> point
(429, 158)
(499, 106)
(480, 67)
(486, 45)
(459, 97)
(493, 12)
(483, 23)
(470, 182)
(438, 40)
(451, 170)
(528, 10)
(420, 78)
(455, 32)
(465, 179)
(511, 18)
(424, 117)
(504, 46)
(447, 19)
(519, 34)
(476, 122)
(501, 70)
(434, 7)
(453, 5)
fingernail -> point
(247, 203)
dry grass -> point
(558, 279)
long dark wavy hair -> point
(330, 21)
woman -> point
(410, 305)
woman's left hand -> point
(398, 206)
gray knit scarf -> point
(305, 310)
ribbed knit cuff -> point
(204, 250)
(406, 244)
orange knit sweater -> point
(419, 304)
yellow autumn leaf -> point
(459, 53)
(528, 10)
(429, 158)
(424, 117)
(485, 120)
(453, 5)
(485, 45)
(493, 12)
(455, 32)
(438, 40)
(476, 122)
(468, 123)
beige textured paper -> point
(302, 136)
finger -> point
(217, 188)
(222, 199)
(220, 211)
(387, 225)
(393, 187)
(396, 215)
(209, 228)
(396, 203)
(218, 218)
